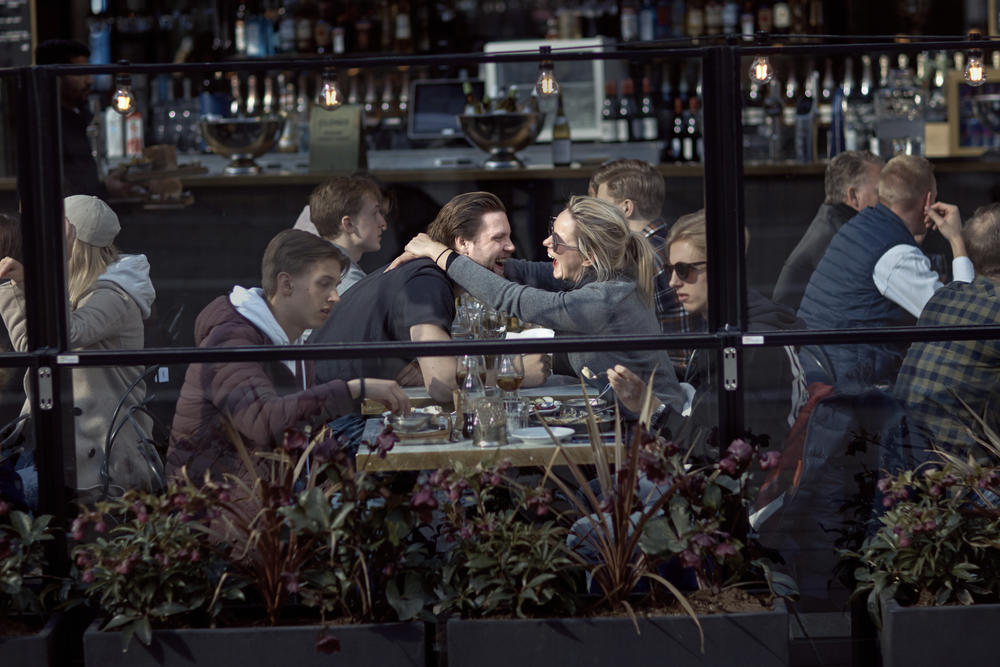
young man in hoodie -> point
(260, 399)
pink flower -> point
(690, 559)
(124, 567)
(725, 550)
(295, 440)
(729, 466)
(769, 460)
(385, 441)
(702, 540)
(424, 503)
(740, 450)
(87, 577)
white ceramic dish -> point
(536, 435)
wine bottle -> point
(626, 111)
(730, 17)
(677, 135)
(562, 146)
(782, 13)
(695, 20)
(713, 17)
(650, 128)
(692, 131)
(609, 114)
(747, 21)
(765, 17)
(473, 107)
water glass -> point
(490, 429)
(517, 414)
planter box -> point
(383, 645)
(36, 650)
(959, 635)
(754, 638)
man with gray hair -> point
(874, 273)
(851, 186)
(937, 377)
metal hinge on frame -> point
(729, 380)
(45, 388)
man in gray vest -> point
(851, 184)
(874, 273)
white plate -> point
(536, 435)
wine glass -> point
(510, 374)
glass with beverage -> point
(510, 374)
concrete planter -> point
(754, 638)
(934, 636)
(36, 650)
(382, 645)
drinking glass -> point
(510, 374)
(490, 429)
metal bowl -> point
(242, 139)
(502, 135)
(415, 421)
(577, 407)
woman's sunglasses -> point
(557, 242)
(684, 270)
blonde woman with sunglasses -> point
(599, 282)
(773, 382)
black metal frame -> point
(39, 183)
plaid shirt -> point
(672, 316)
(935, 375)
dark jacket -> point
(805, 257)
(842, 295)
(773, 385)
(259, 399)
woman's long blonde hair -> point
(603, 237)
(86, 264)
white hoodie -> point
(251, 304)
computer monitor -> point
(434, 105)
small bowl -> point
(411, 423)
(577, 407)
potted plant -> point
(930, 570)
(307, 540)
(627, 531)
(27, 633)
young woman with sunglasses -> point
(599, 282)
(773, 382)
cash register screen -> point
(434, 105)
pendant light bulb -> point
(123, 99)
(761, 70)
(975, 70)
(329, 96)
(546, 86)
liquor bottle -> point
(816, 16)
(765, 17)
(286, 28)
(562, 146)
(694, 23)
(240, 29)
(650, 129)
(937, 106)
(782, 14)
(473, 107)
(692, 131)
(323, 28)
(253, 101)
(790, 97)
(730, 17)
(824, 112)
(848, 84)
(628, 22)
(371, 115)
(747, 21)
(678, 15)
(800, 18)
(404, 28)
(509, 103)
(304, 27)
(805, 121)
(713, 17)
(775, 126)
(665, 110)
(647, 21)
(609, 114)
(288, 142)
(626, 111)
(677, 135)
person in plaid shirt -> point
(938, 376)
(638, 189)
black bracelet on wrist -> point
(438, 258)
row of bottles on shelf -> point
(879, 104)
(263, 28)
(645, 20)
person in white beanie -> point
(110, 294)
